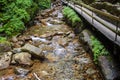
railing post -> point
(67, 3)
(115, 49)
(117, 24)
(92, 18)
(81, 9)
(74, 5)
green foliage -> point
(2, 39)
(24, 4)
(97, 48)
(71, 15)
(14, 14)
(14, 26)
(43, 4)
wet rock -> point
(46, 47)
(24, 38)
(63, 42)
(68, 32)
(5, 59)
(55, 14)
(35, 51)
(85, 36)
(16, 45)
(61, 52)
(7, 78)
(36, 35)
(71, 35)
(59, 33)
(45, 35)
(23, 58)
(21, 71)
(38, 39)
(60, 15)
(90, 71)
(5, 46)
(44, 73)
(55, 22)
(43, 21)
(84, 60)
(49, 24)
(16, 50)
(21, 43)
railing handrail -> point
(114, 30)
(112, 17)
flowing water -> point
(65, 58)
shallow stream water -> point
(65, 58)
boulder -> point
(34, 51)
(23, 58)
(5, 59)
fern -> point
(97, 48)
(21, 14)
(15, 13)
(13, 27)
(24, 4)
(71, 15)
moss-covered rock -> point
(4, 45)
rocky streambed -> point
(49, 50)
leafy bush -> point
(13, 27)
(97, 48)
(14, 14)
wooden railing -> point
(113, 18)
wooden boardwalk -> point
(105, 27)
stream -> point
(62, 56)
